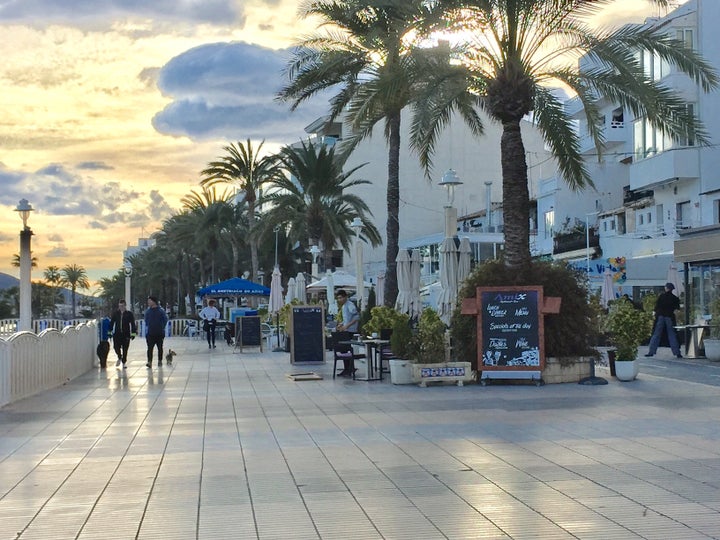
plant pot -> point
(626, 370)
(712, 349)
(401, 371)
(457, 372)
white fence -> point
(31, 363)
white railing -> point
(10, 326)
(31, 363)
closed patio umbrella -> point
(415, 266)
(448, 279)
(330, 287)
(380, 290)
(464, 261)
(291, 292)
(404, 278)
(607, 291)
(300, 292)
(276, 301)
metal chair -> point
(343, 351)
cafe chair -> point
(385, 352)
(343, 352)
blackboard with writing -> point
(307, 338)
(511, 334)
(247, 332)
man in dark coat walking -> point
(665, 307)
(122, 330)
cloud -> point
(55, 238)
(94, 166)
(57, 252)
(46, 12)
(227, 90)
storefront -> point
(699, 250)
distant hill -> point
(7, 281)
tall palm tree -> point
(16, 261)
(53, 277)
(75, 277)
(243, 167)
(313, 202)
(366, 51)
(521, 47)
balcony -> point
(574, 240)
(615, 132)
(667, 166)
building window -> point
(682, 215)
(716, 211)
(621, 226)
(685, 35)
(648, 141)
(549, 223)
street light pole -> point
(356, 226)
(276, 230)
(25, 323)
(315, 253)
(587, 242)
(127, 268)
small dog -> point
(169, 357)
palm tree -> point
(517, 52)
(368, 53)
(313, 200)
(243, 168)
(75, 277)
(53, 277)
(16, 261)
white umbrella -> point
(340, 279)
(673, 276)
(464, 261)
(300, 293)
(607, 291)
(276, 296)
(330, 286)
(291, 292)
(415, 265)
(448, 279)
(404, 280)
(380, 290)
(276, 303)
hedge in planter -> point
(569, 333)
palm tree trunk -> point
(73, 302)
(393, 209)
(516, 198)
(253, 241)
(235, 257)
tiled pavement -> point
(223, 445)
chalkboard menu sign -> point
(307, 337)
(247, 332)
(511, 335)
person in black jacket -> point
(665, 307)
(122, 330)
(155, 321)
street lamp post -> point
(25, 323)
(315, 253)
(276, 230)
(587, 242)
(449, 181)
(127, 269)
(360, 283)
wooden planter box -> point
(456, 372)
(566, 369)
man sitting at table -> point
(350, 323)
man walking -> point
(665, 307)
(350, 323)
(122, 330)
(155, 321)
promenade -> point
(222, 445)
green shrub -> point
(365, 313)
(427, 345)
(401, 338)
(569, 333)
(383, 317)
(628, 327)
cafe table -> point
(373, 354)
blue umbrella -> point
(235, 287)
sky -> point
(110, 109)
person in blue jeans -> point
(665, 307)
(155, 321)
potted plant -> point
(428, 346)
(387, 318)
(627, 327)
